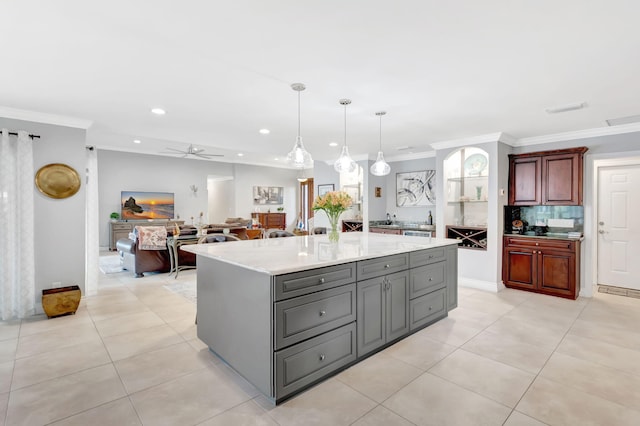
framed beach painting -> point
(323, 189)
(414, 189)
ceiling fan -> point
(192, 150)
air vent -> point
(565, 108)
(404, 148)
(623, 120)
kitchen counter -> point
(286, 313)
(276, 256)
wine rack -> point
(474, 238)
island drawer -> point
(425, 279)
(307, 362)
(428, 308)
(382, 266)
(425, 257)
(307, 316)
(305, 282)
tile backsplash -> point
(549, 218)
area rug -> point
(186, 290)
(110, 264)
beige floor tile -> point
(518, 419)
(329, 403)
(379, 376)
(479, 302)
(152, 368)
(40, 323)
(9, 330)
(451, 332)
(59, 362)
(518, 354)
(556, 404)
(176, 312)
(8, 349)
(188, 400)
(119, 412)
(203, 351)
(128, 323)
(615, 385)
(530, 332)
(186, 327)
(246, 414)
(103, 312)
(506, 297)
(544, 315)
(612, 315)
(431, 400)
(141, 341)
(495, 380)
(6, 373)
(602, 353)
(627, 336)
(464, 292)
(59, 338)
(4, 400)
(473, 318)
(116, 296)
(64, 396)
(381, 416)
(419, 350)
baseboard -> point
(480, 285)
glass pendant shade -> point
(344, 163)
(299, 157)
(380, 167)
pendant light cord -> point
(298, 113)
(380, 132)
(345, 125)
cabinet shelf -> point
(467, 201)
(472, 237)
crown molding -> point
(45, 118)
(579, 134)
(413, 156)
(475, 140)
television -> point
(139, 205)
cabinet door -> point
(524, 181)
(562, 179)
(371, 314)
(451, 278)
(397, 299)
(557, 273)
(519, 268)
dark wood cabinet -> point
(542, 265)
(271, 220)
(552, 178)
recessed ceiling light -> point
(404, 148)
(137, 141)
(564, 108)
(333, 143)
(276, 158)
(158, 111)
(264, 131)
(240, 154)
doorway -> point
(306, 202)
(618, 230)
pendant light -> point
(344, 163)
(380, 167)
(299, 157)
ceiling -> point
(222, 71)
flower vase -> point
(333, 233)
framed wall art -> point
(323, 189)
(415, 189)
(268, 194)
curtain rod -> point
(31, 136)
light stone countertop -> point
(275, 256)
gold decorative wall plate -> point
(57, 180)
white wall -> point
(59, 224)
(219, 191)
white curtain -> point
(92, 244)
(17, 277)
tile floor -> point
(130, 356)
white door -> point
(619, 226)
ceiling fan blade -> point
(208, 155)
(176, 150)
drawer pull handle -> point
(537, 244)
(430, 279)
(322, 313)
(322, 357)
(430, 256)
(430, 307)
(321, 280)
(387, 266)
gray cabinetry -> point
(382, 310)
(382, 266)
(426, 309)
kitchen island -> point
(286, 313)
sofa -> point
(133, 258)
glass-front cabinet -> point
(466, 173)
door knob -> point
(601, 231)
(600, 223)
